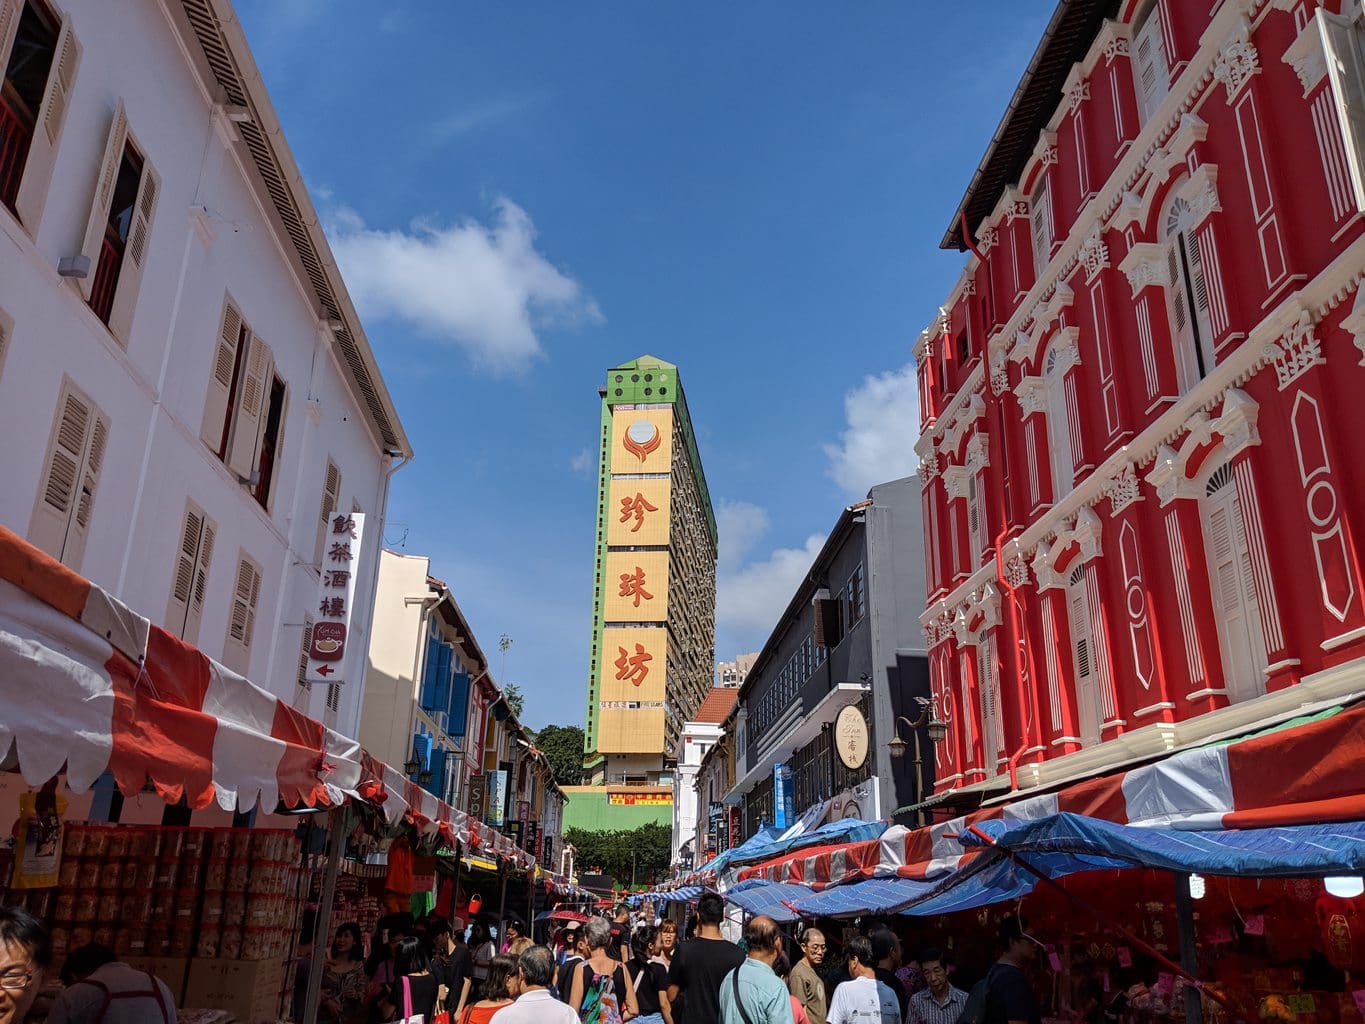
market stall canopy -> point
(87, 685)
(768, 843)
(770, 898)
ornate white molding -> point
(1237, 62)
(1000, 370)
(1145, 265)
(960, 419)
(977, 614)
(1297, 352)
(1201, 192)
(1048, 313)
(1113, 37)
(928, 468)
(1046, 150)
(1032, 394)
(956, 480)
(987, 239)
(969, 286)
(1079, 93)
(1355, 322)
(1136, 207)
(1235, 425)
(978, 454)
(1084, 533)
(1306, 56)
(1067, 346)
(1094, 254)
(1017, 572)
(1015, 205)
(1123, 490)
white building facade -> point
(186, 392)
(697, 739)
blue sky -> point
(524, 194)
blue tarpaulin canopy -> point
(766, 843)
(759, 897)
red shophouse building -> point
(1143, 403)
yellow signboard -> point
(640, 799)
(642, 440)
(639, 512)
(629, 731)
(636, 586)
(634, 664)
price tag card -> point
(1303, 1003)
(1255, 924)
(1165, 983)
(1125, 956)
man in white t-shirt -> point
(864, 1000)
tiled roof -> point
(716, 705)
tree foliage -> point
(563, 745)
(512, 694)
(643, 853)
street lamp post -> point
(937, 728)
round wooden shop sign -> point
(850, 737)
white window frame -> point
(1187, 298)
(1232, 585)
(1062, 464)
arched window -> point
(1187, 298)
(1058, 424)
(1235, 606)
(1083, 655)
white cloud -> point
(753, 598)
(882, 416)
(581, 463)
(468, 119)
(740, 526)
(484, 288)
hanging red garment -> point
(399, 878)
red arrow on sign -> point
(324, 670)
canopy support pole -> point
(502, 904)
(455, 890)
(336, 848)
(1184, 918)
(1085, 907)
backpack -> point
(600, 1002)
(978, 1001)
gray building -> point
(849, 639)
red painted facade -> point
(1140, 405)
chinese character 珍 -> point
(634, 667)
(637, 507)
(344, 525)
(334, 607)
(341, 552)
(633, 585)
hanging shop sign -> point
(736, 821)
(784, 800)
(495, 805)
(476, 797)
(335, 600)
(639, 799)
(723, 832)
(850, 737)
(547, 852)
(532, 835)
(514, 831)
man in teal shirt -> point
(752, 993)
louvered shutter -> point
(65, 467)
(1083, 656)
(249, 421)
(990, 711)
(201, 582)
(1202, 316)
(1059, 437)
(220, 379)
(303, 650)
(1041, 219)
(10, 10)
(1345, 51)
(242, 619)
(186, 559)
(1182, 326)
(51, 115)
(78, 529)
(331, 498)
(135, 254)
(1234, 591)
(1151, 74)
(103, 199)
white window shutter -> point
(246, 592)
(303, 650)
(78, 530)
(65, 463)
(10, 10)
(1059, 436)
(182, 582)
(135, 255)
(220, 379)
(1150, 71)
(201, 581)
(103, 199)
(1041, 219)
(252, 405)
(331, 496)
(1343, 44)
(1234, 591)
(51, 115)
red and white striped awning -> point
(87, 685)
(1297, 774)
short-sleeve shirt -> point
(863, 1001)
(649, 979)
(1011, 997)
(762, 993)
(82, 1001)
(698, 968)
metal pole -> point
(502, 903)
(455, 892)
(1184, 919)
(336, 847)
(919, 782)
(531, 903)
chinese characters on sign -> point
(336, 593)
(635, 507)
(496, 798)
(633, 667)
(633, 585)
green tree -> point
(563, 745)
(642, 853)
(512, 694)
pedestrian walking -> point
(939, 1002)
(650, 977)
(862, 999)
(701, 964)
(782, 968)
(603, 990)
(1009, 995)
(804, 982)
(535, 1003)
(752, 993)
(101, 990)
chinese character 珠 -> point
(634, 667)
(336, 577)
(637, 507)
(333, 607)
(341, 552)
(344, 525)
(633, 585)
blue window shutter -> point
(438, 773)
(440, 690)
(459, 703)
(430, 666)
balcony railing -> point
(106, 280)
(15, 136)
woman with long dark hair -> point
(499, 989)
(413, 990)
(650, 977)
(481, 951)
(343, 978)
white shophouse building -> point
(186, 392)
(700, 733)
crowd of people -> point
(631, 967)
